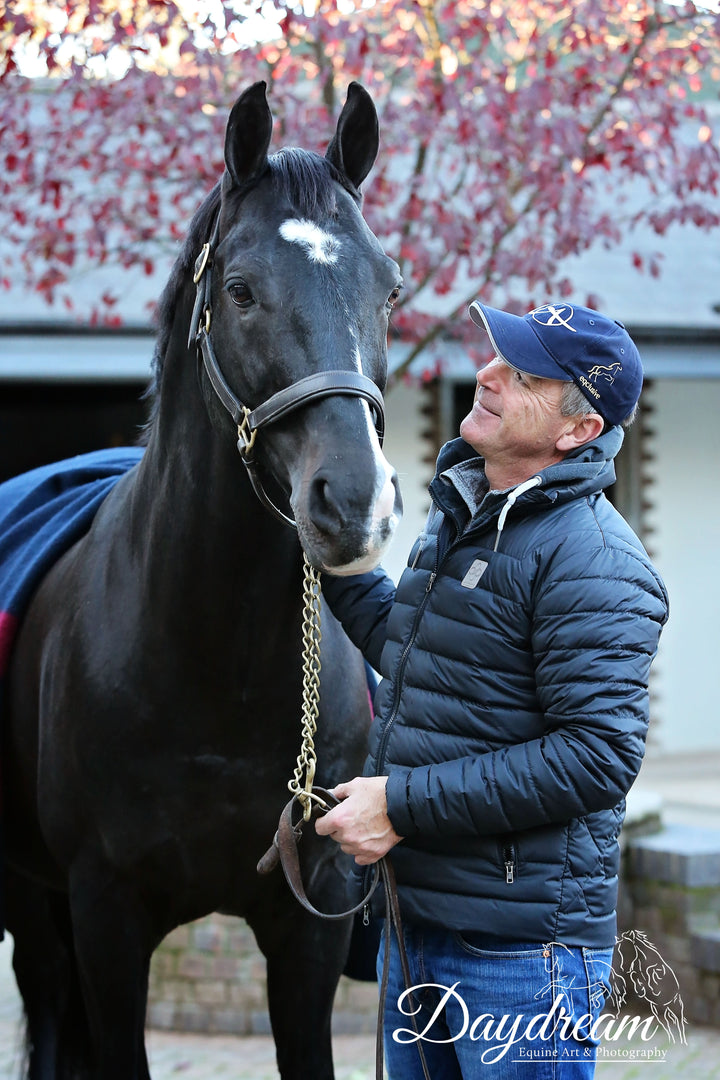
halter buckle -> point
(201, 262)
(246, 434)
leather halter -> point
(249, 421)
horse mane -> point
(301, 177)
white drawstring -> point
(510, 502)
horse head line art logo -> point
(637, 972)
(609, 372)
(638, 968)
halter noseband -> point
(249, 421)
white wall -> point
(684, 519)
(404, 449)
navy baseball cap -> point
(573, 344)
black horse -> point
(154, 696)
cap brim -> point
(514, 340)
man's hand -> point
(360, 824)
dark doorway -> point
(43, 422)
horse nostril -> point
(325, 512)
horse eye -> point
(240, 294)
(393, 297)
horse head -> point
(294, 297)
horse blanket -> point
(42, 514)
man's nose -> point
(487, 374)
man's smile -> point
(482, 406)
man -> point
(511, 719)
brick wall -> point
(670, 889)
(210, 976)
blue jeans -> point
(490, 1010)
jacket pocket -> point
(417, 550)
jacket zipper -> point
(509, 862)
(411, 640)
(400, 674)
(395, 706)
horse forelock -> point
(307, 181)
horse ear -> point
(354, 146)
(247, 136)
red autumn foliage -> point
(508, 131)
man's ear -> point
(584, 429)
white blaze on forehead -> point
(320, 246)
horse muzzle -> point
(347, 516)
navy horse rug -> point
(42, 514)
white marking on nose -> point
(384, 517)
(320, 246)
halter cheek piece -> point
(249, 421)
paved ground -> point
(690, 794)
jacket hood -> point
(586, 471)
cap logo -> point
(552, 315)
(609, 372)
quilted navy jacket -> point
(512, 714)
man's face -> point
(515, 422)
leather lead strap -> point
(288, 837)
(284, 850)
(393, 923)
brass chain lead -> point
(302, 781)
